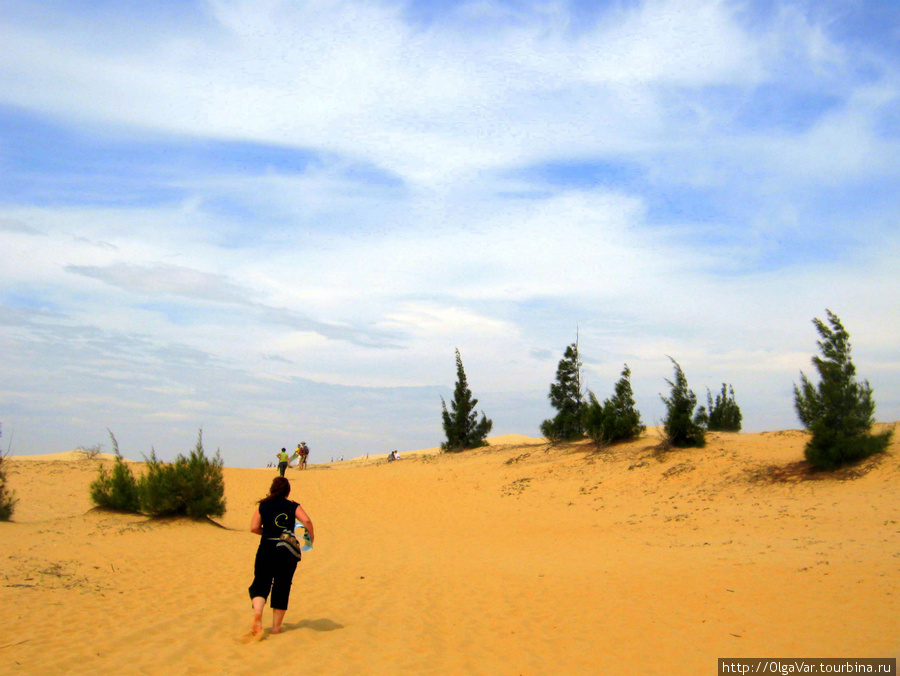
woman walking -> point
(275, 563)
(283, 461)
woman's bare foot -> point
(256, 632)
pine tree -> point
(616, 419)
(683, 428)
(567, 398)
(461, 424)
(840, 411)
(7, 497)
(724, 413)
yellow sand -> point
(513, 559)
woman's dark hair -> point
(280, 488)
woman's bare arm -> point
(256, 523)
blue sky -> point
(277, 219)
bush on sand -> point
(682, 427)
(616, 419)
(192, 486)
(116, 490)
(839, 412)
(7, 497)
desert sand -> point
(517, 558)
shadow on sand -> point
(322, 624)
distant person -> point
(303, 451)
(274, 566)
(283, 461)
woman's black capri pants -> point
(273, 569)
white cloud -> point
(428, 321)
(426, 103)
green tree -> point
(7, 496)
(567, 398)
(461, 424)
(192, 486)
(683, 428)
(616, 419)
(724, 413)
(117, 490)
(839, 412)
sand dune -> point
(517, 558)
(69, 456)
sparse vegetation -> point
(116, 490)
(724, 415)
(839, 412)
(461, 424)
(567, 398)
(7, 496)
(91, 452)
(192, 486)
(616, 419)
(683, 428)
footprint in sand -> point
(250, 637)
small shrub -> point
(117, 490)
(839, 412)
(683, 428)
(91, 452)
(724, 413)
(616, 419)
(192, 486)
(7, 497)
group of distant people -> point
(284, 459)
(301, 455)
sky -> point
(276, 220)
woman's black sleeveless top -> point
(277, 516)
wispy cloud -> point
(170, 280)
(14, 226)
